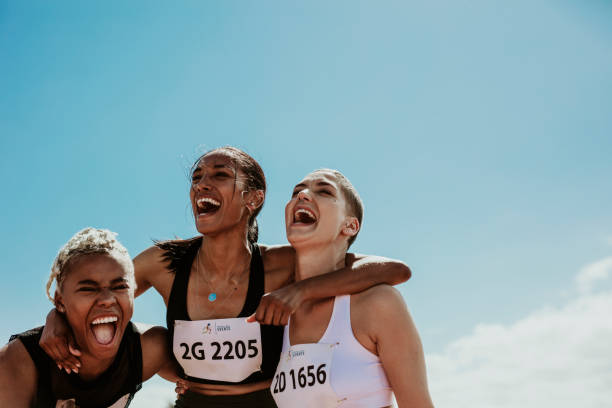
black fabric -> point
(124, 376)
(181, 258)
(257, 399)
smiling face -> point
(317, 212)
(218, 194)
(98, 302)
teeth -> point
(108, 319)
(201, 201)
(307, 212)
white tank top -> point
(355, 376)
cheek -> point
(76, 312)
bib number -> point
(221, 350)
(231, 350)
(306, 377)
(302, 379)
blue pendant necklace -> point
(212, 296)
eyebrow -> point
(216, 166)
(94, 283)
(320, 183)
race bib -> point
(220, 349)
(302, 378)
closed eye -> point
(86, 289)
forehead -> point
(216, 160)
(94, 267)
(321, 176)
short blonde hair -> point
(354, 205)
(85, 242)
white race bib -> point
(220, 349)
(302, 378)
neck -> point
(319, 259)
(92, 367)
(222, 255)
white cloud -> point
(554, 357)
(593, 272)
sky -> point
(479, 135)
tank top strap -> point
(256, 283)
(340, 320)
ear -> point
(59, 302)
(254, 199)
(351, 227)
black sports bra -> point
(181, 254)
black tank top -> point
(181, 254)
(122, 379)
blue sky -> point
(478, 134)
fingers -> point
(60, 353)
(272, 311)
(74, 350)
(181, 387)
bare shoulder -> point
(18, 375)
(279, 263)
(151, 269)
(382, 295)
(151, 260)
(379, 302)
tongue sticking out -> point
(103, 332)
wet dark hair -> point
(254, 179)
(354, 205)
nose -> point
(303, 195)
(202, 184)
(106, 298)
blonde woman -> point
(95, 292)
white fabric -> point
(220, 349)
(356, 375)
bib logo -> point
(210, 329)
(295, 353)
(223, 328)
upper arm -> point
(148, 265)
(156, 357)
(387, 270)
(385, 317)
(18, 376)
(279, 264)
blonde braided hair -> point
(90, 241)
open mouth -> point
(304, 216)
(207, 205)
(104, 329)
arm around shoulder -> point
(389, 271)
(18, 376)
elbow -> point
(403, 273)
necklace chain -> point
(212, 296)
